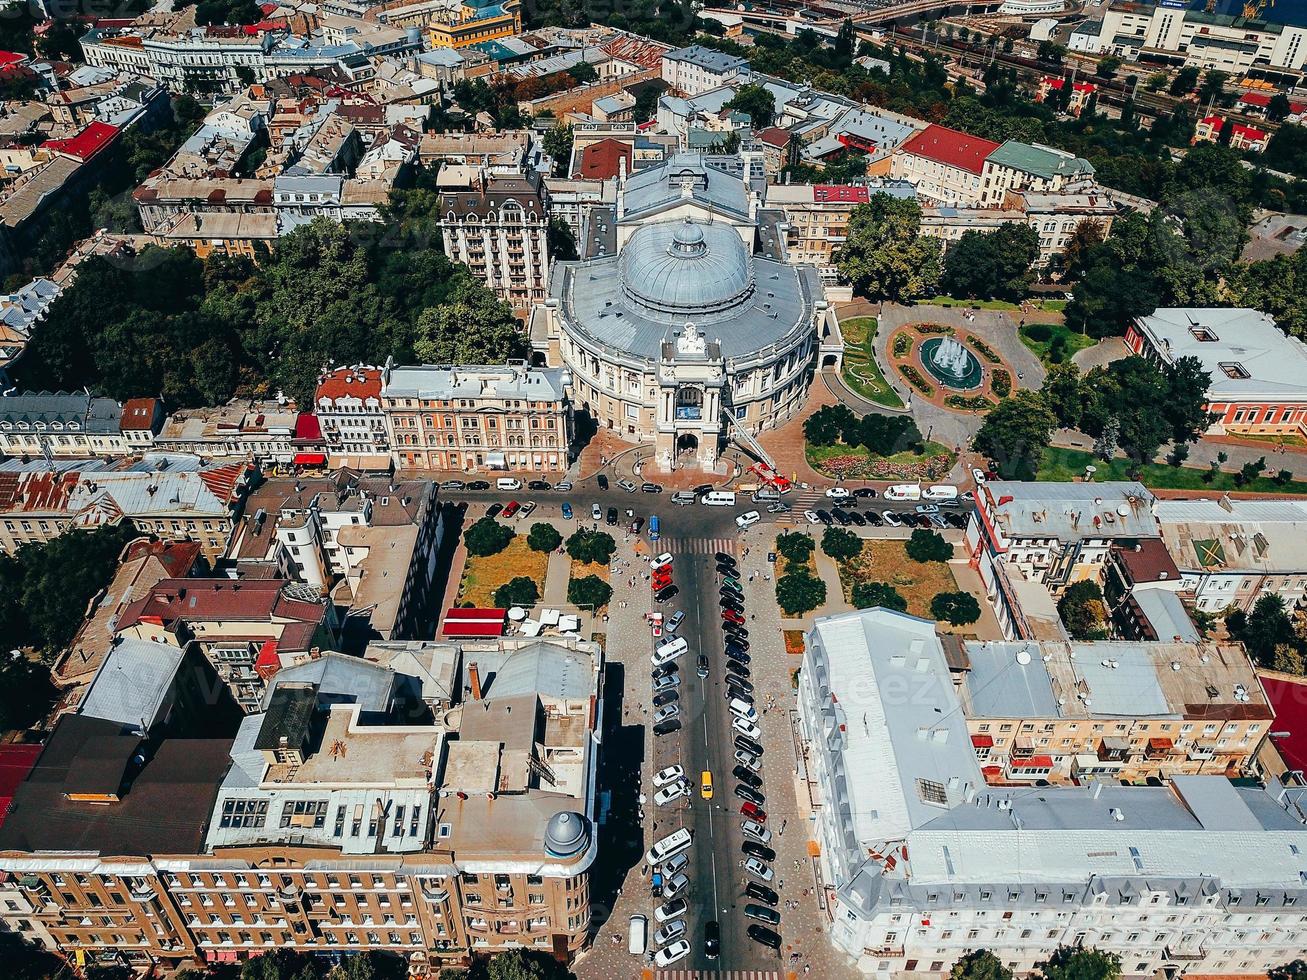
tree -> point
(1250, 471)
(1015, 433)
(473, 327)
(487, 537)
(1213, 86)
(1156, 81)
(1143, 406)
(1107, 66)
(558, 144)
(1081, 963)
(584, 73)
(282, 964)
(1050, 51)
(925, 545)
(756, 102)
(1082, 611)
(1278, 108)
(957, 608)
(1184, 81)
(1063, 394)
(840, 543)
(1265, 628)
(1287, 659)
(827, 425)
(591, 547)
(1297, 970)
(980, 965)
(993, 264)
(589, 592)
(799, 592)
(543, 537)
(884, 257)
(869, 595)
(795, 546)
(518, 591)
(370, 965)
(885, 435)
(518, 964)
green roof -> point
(1041, 161)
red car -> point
(731, 616)
(512, 508)
(753, 812)
(660, 582)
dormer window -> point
(1234, 370)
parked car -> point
(494, 510)
(511, 508)
(670, 932)
(626, 485)
(749, 795)
(567, 511)
(667, 681)
(752, 746)
(747, 776)
(527, 507)
(731, 616)
(672, 793)
(668, 955)
(762, 913)
(736, 669)
(741, 683)
(841, 517)
(452, 485)
(891, 518)
(759, 870)
(596, 513)
(603, 482)
(666, 697)
(671, 910)
(611, 517)
(674, 886)
(479, 485)
(864, 493)
(539, 485)
(665, 777)
(563, 487)
(667, 594)
(838, 493)
(675, 621)
(764, 936)
(761, 851)
(756, 831)
(927, 508)
(811, 517)
(667, 727)
(747, 759)
(651, 487)
(761, 892)
(712, 939)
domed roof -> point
(567, 834)
(679, 271)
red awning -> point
(310, 459)
(474, 622)
(1034, 762)
(268, 655)
(982, 741)
(1160, 743)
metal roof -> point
(132, 682)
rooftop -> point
(473, 381)
(1070, 511)
(1226, 535)
(951, 148)
(659, 188)
(59, 411)
(1042, 161)
(708, 59)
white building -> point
(1230, 553)
(66, 424)
(697, 69)
(924, 863)
(1017, 166)
(944, 165)
(348, 406)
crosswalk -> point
(717, 975)
(699, 546)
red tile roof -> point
(775, 136)
(9, 59)
(86, 144)
(951, 148)
(602, 160)
(840, 194)
(16, 761)
(1262, 101)
(177, 557)
(260, 603)
(138, 413)
(358, 383)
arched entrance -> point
(687, 442)
(830, 361)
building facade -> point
(498, 227)
(944, 165)
(694, 70)
(61, 424)
(348, 406)
(1018, 166)
(477, 418)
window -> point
(932, 792)
(244, 813)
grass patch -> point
(1052, 305)
(970, 304)
(857, 462)
(1040, 338)
(1281, 439)
(482, 576)
(860, 370)
(888, 561)
(580, 569)
(1060, 465)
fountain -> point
(951, 364)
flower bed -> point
(794, 641)
(916, 379)
(852, 466)
(937, 328)
(902, 345)
(977, 403)
(1001, 386)
(984, 350)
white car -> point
(747, 759)
(674, 866)
(671, 910)
(596, 513)
(670, 932)
(662, 561)
(978, 475)
(811, 517)
(748, 519)
(665, 777)
(745, 727)
(668, 955)
(838, 493)
(759, 870)
(755, 830)
(674, 886)
(672, 793)
(666, 713)
(891, 518)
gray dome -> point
(682, 271)
(567, 834)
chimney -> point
(474, 676)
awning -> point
(496, 459)
(310, 459)
(1160, 743)
(474, 622)
(1034, 762)
(982, 741)
(359, 461)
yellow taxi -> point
(705, 784)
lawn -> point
(860, 370)
(1040, 347)
(1061, 465)
(858, 462)
(481, 576)
(970, 304)
(887, 561)
(580, 569)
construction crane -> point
(1252, 9)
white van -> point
(508, 483)
(940, 491)
(669, 651)
(743, 709)
(637, 935)
(748, 519)
(683, 497)
(903, 491)
(718, 498)
(674, 843)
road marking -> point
(719, 975)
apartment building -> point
(498, 226)
(1056, 216)
(1230, 553)
(817, 218)
(476, 22)
(60, 424)
(347, 404)
(923, 861)
(1214, 35)
(369, 542)
(944, 165)
(476, 418)
(1049, 535)
(176, 498)
(695, 69)
(1018, 166)
(1119, 709)
(241, 429)
(337, 819)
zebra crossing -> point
(699, 546)
(718, 975)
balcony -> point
(882, 951)
(1184, 953)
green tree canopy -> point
(868, 595)
(795, 546)
(543, 537)
(980, 965)
(884, 257)
(1015, 434)
(487, 537)
(756, 102)
(519, 591)
(958, 608)
(1265, 628)
(799, 592)
(840, 543)
(989, 265)
(926, 545)
(1081, 963)
(593, 547)
(1082, 610)
(589, 592)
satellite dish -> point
(1023, 658)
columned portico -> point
(691, 374)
